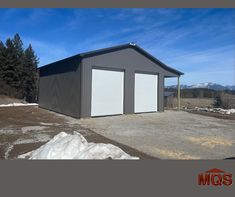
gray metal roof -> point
(120, 47)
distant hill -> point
(207, 85)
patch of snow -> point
(7, 131)
(36, 138)
(9, 148)
(32, 128)
(18, 104)
(215, 110)
(49, 124)
(75, 146)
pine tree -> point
(217, 101)
(19, 53)
(18, 68)
(2, 59)
(10, 71)
(30, 79)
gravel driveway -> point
(169, 135)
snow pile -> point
(18, 104)
(215, 110)
(75, 146)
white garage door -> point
(107, 92)
(146, 89)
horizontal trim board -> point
(108, 68)
(146, 72)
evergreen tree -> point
(217, 101)
(10, 71)
(30, 79)
(2, 59)
(19, 53)
(18, 68)
(18, 44)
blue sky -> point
(198, 42)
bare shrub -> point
(225, 101)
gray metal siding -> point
(65, 86)
(128, 60)
(59, 87)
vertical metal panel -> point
(59, 88)
(86, 77)
(129, 93)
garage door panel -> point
(145, 93)
(107, 92)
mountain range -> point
(207, 85)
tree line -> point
(18, 69)
(222, 98)
(200, 92)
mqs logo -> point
(215, 177)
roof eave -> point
(157, 60)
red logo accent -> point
(215, 177)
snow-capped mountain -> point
(207, 85)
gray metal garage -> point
(123, 79)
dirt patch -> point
(26, 116)
(7, 100)
(23, 129)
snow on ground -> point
(49, 124)
(216, 110)
(75, 146)
(32, 128)
(34, 139)
(7, 131)
(40, 137)
(18, 104)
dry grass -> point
(194, 102)
(174, 154)
(227, 101)
(211, 142)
